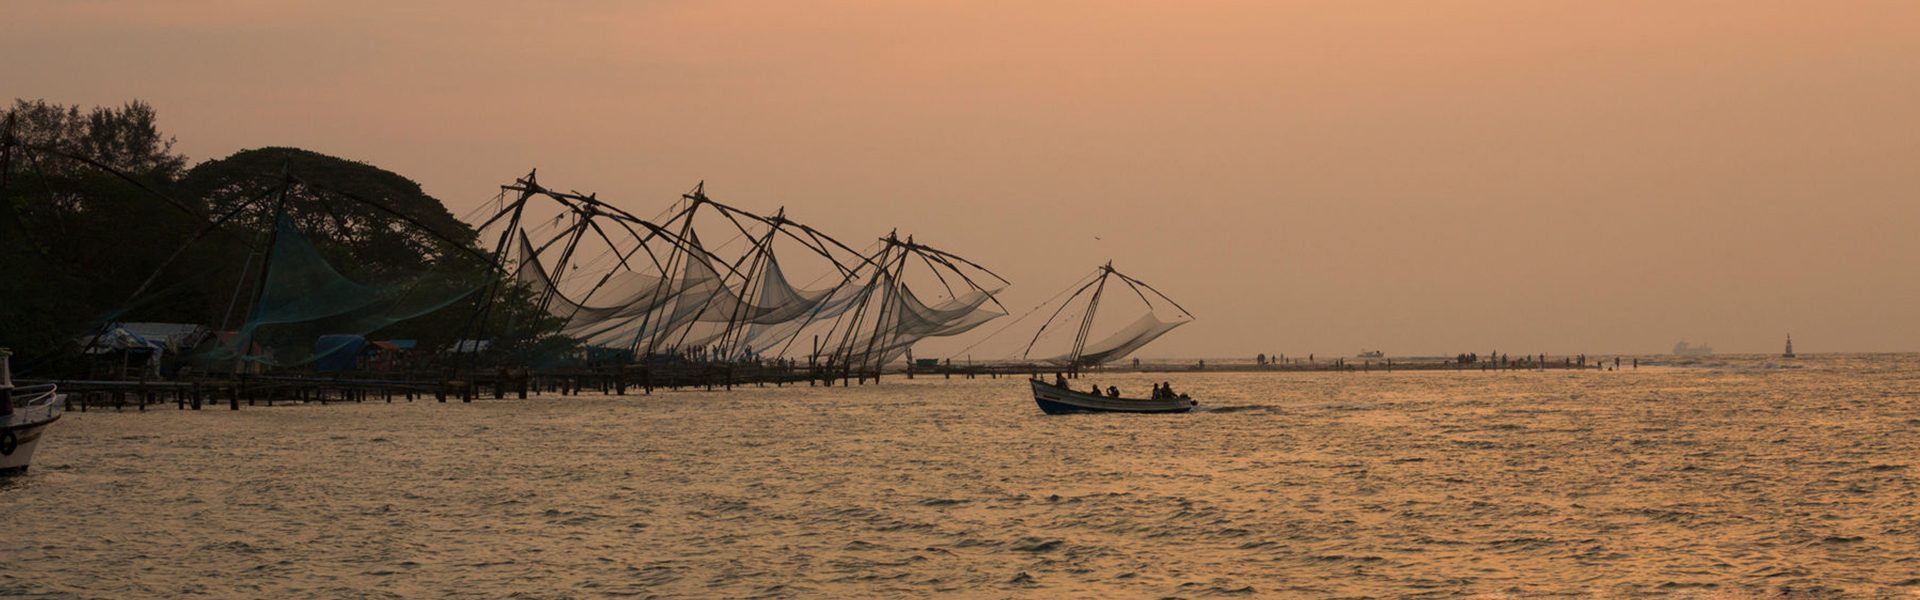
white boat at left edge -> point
(25, 415)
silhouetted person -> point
(1060, 381)
(1113, 392)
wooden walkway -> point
(619, 380)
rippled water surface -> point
(1730, 478)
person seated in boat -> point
(1159, 393)
(1059, 381)
(1096, 389)
(1113, 392)
(1166, 390)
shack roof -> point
(176, 336)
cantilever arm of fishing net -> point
(562, 234)
(948, 255)
(746, 280)
(1056, 314)
(623, 257)
(112, 171)
(1132, 281)
(816, 245)
(846, 278)
(678, 242)
(880, 257)
(1135, 288)
(1036, 308)
(504, 210)
(698, 197)
(577, 306)
(191, 240)
(940, 257)
(205, 229)
(626, 220)
(462, 246)
(937, 275)
(570, 199)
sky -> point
(1325, 177)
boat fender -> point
(8, 442)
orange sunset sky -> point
(1421, 177)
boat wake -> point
(1247, 408)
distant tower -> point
(1789, 352)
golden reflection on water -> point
(1732, 478)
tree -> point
(127, 138)
(94, 204)
(72, 231)
(366, 219)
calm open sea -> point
(1734, 477)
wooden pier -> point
(620, 380)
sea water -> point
(1728, 477)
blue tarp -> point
(336, 353)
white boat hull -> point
(21, 433)
(26, 439)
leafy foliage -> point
(367, 218)
(95, 203)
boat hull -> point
(21, 431)
(25, 438)
(1059, 401)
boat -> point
(1056, 400)
(25, 415)
(1373, 354)
(1789, 352)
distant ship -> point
(1789, 352)
(1373, 354)
(1683, 349)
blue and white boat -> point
(25, 414)
(1056, 400)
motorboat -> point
(25, 415)
(1057, 400)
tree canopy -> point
(368, 219)
(95, 204)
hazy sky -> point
(1421, 177)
